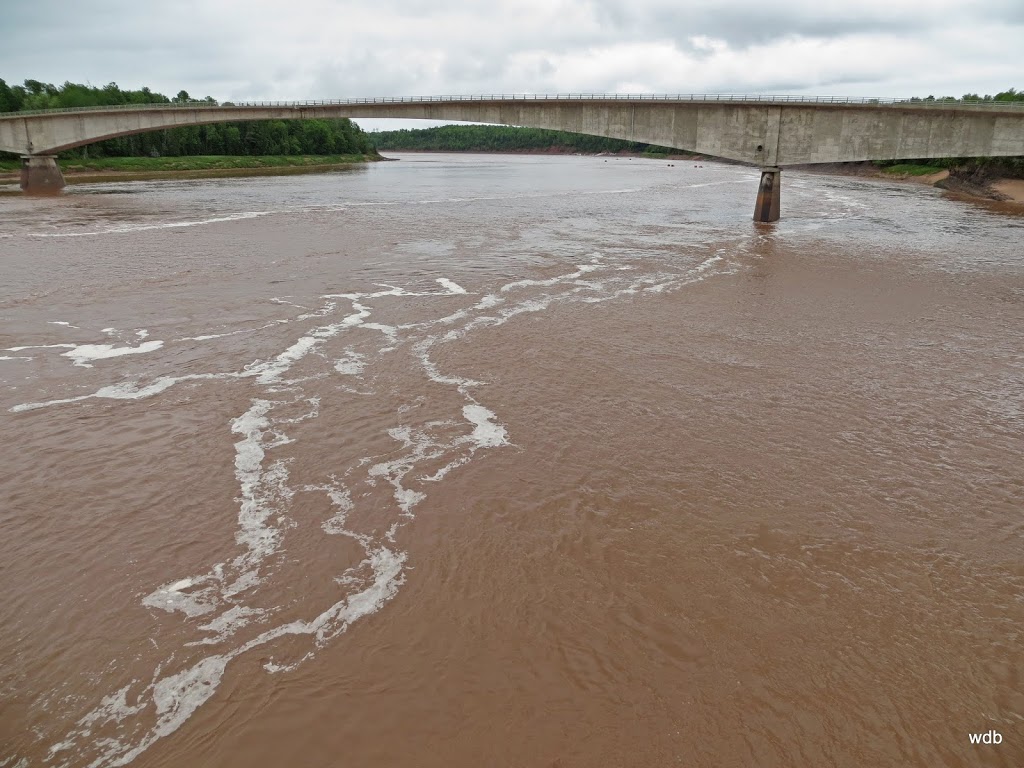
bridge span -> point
(768, 132)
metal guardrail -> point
(691, 97)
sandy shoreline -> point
(996, 190)
(1012, 188)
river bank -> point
(78, 171)
(992, 189)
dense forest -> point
(501, 138)
(264, 137)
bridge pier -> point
(40, 175)
(769, 196)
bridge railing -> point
(677, 97)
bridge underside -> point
(769, 135)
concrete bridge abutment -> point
(768, 206)
(40, 175)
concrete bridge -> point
(768, 132)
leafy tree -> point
(252, 138)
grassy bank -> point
(194, 163)
(911, 169)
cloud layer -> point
(333, 48)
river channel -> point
(510, 461)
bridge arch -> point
(767, 132)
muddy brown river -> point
(469, 461)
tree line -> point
(1008, 95)
(258, 137)
(501, 138)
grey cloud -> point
(335, 48)
(748, 22)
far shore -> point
(994, 190)
(198, 167)
(1000, 190)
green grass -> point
(910, 169)
(204, 162)
(195, 163)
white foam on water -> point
(460, 314)
(388, 575)
(443, 471)
(225, 625)
(149, 227)
(581, 270)
(67, 325)
(85, 352)
(125, 391)
(171, 598)
(489, 301)
(451, 287)
(259, 488)
(708, 263)
(341, 499)
(388, 330)
(352, 364)
(312, 413)
(142, 333)
(41, 346)
(745, 180)
(271, 371)
(176, 697)
(420, 446)
(324, 311)
(113, 708)
(9, 357)
(487, 434)
(60, 746)
(422, 351)
(265, 497)
(209, 336)
(285, 301)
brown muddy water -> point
(510, 461)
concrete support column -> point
(40, 175)
(769, 197)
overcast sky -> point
(312, 49)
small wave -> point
(128, 228)
(86, 352)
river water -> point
(510, 461)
